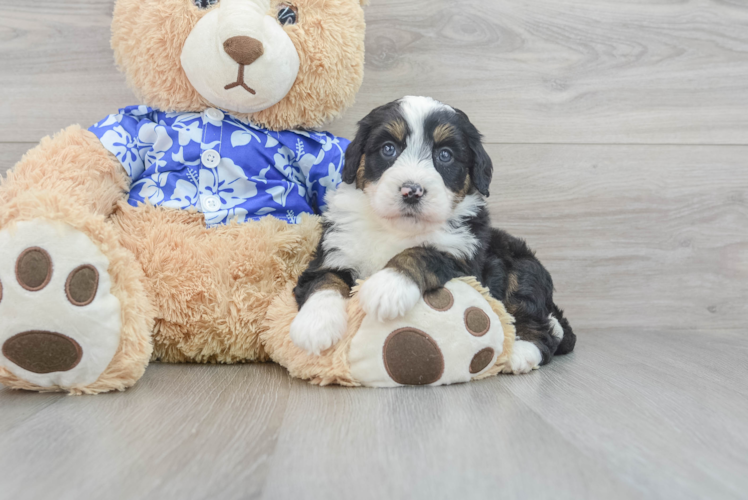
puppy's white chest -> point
(362, 252)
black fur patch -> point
(204, 4)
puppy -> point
(410, 216)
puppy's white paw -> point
(525, 357)
(388, 294)
(321, 322)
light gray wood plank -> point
(663, 410)
(183, 431)
(555, 71)
(567, 71)
(647, 237)
(630, 414)
(466, 441)
(11, 153)
(657, 411)
(57, 67)
(19, 406)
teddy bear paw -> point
(321, 322)
(525, 357)
(388, 294)
(59, 323)
(451, 335)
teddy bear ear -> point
(364, 3)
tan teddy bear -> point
(168, 231)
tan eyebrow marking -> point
(398, 129)
(443, 132)
(360, 180)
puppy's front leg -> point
(396, 289)
(322, 296)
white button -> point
(211, 204)
(211, 158)
(214, 114)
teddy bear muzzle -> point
(239, 58)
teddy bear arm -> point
(72, 166)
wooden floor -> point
(619, 132)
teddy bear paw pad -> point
(59, 322)
(451, 335)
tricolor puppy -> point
(410, 216)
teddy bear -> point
(174, 230)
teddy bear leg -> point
(454, 334)
(74, 312)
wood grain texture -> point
(11, 153)
(474, 441)
(548, 71)
(58, 69)
(652, 410)
(631, 414)
(569, 71)
(642, 236)
(184, 431)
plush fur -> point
(412, 217)
(211, 287)
(187, 293)
(148, 36)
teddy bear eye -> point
(287, 14)
(205, 4)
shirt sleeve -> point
(119, 135)
(327, 173)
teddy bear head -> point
(282, 64)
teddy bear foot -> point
(452, 335)
(59, 322)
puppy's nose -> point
(411, 192)
(243, 49)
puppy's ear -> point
(481, 170)
(355, 151)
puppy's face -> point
(416, 159)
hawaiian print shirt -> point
(227, 168)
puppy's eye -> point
(445, 156)
(389, 150)
(287, 14)
(205, 4)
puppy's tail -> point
(569, 339)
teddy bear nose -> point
(244, 49)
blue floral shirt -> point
(225, 167)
